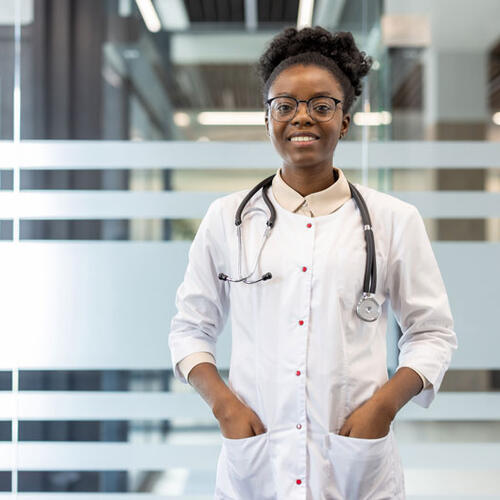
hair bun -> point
(339, 47)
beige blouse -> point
(313, 205)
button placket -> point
(303, 361)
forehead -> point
(302, 81)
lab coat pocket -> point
(249, 467)
(362, 469)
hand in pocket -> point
(371, 420)
(240, 421)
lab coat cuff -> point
(185, 347)
(189, 362)
(425, 382)
(432, 369)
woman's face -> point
(304, 82)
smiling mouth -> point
(303, 142)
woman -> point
(309, 407)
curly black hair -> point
(336, 52)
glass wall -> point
(93, 70)
(120, 122)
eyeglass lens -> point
(319, 108)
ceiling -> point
(233, 11)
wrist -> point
(386, 405)
(224, 405)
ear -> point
(346, 120)
(267, 124)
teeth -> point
(302, 138)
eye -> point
(322, 108)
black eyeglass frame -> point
(298, 101)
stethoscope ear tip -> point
(223, 276)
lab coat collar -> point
(320, 203)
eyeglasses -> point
(320, 108)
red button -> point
(304, 269)
(299, 481)
(298, 373)
(309, 224)
(301, 322)
(299, 426)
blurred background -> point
(120, 121)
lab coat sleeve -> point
(190, 361)
(420, 304)
(202, 299)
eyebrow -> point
(325, 92)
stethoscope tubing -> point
(367, 302)
(371, 267)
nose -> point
(301, 116)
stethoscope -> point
(368, 309)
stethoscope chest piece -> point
(368, 309)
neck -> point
(308, 180)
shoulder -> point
(221, 212)
(231, 199)
(227, 205)
(398, 220)
(386, 206)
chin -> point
(304, 160)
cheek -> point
(276, 133)
(332, 135)
(331, 139)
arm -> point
(206, 380)
(236, 419)
(420, 304)
(373, 418)
(202, 300)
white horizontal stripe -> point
(111, 456)
(452, 204)
(452, 484)
(88, 456)
(209, 496)
(137, 155)
(248, 154)
(105, 305)
(455, 406)
(54, 297)
(87, 405)
(416, 476)
(432, 496)
(472, 293)
(65, 204)
(104, 496)
(466, 456)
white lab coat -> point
(303, 380)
